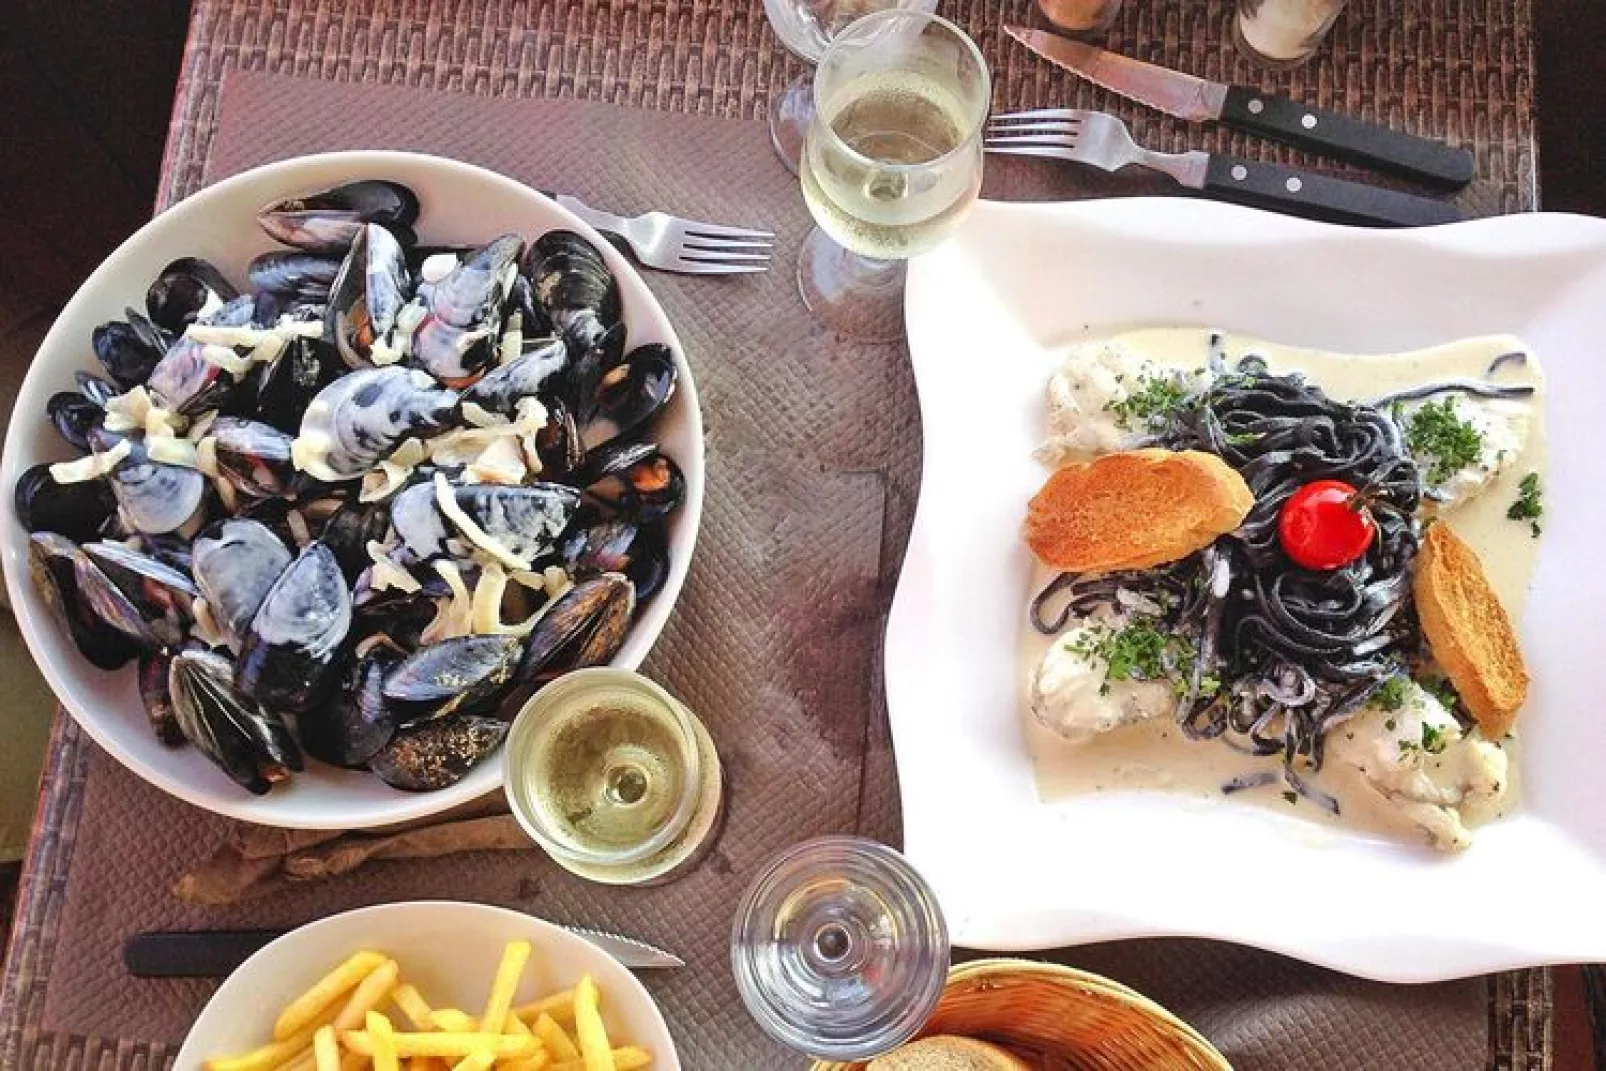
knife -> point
(216, 953)
(1265, 114)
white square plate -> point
(988, 314)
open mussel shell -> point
(525, 376)
(186, 382)
(400, 615)
(583, 383)
(79, 511)
(524, 520)
(247, 741)
(294, 640)
(58, 568)
(633, 480)
(152, 497)
(188, 288)
(367, 295)
(327, 221)
(466, 674)
(349, 531)
(278, 393)
(363, 416)
(631, 393)
(96, 389)
(639, 550)
(130, 349)
(473, 293)
(306, 276)
(235, 563)
(586, 626)
(158, 594)
(350, 730)
(74, 417)
(573, 287)
(254, 457)
(156, 695)
(439, 753)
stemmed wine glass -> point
(839, 949)
(891, 164)
(806, 27)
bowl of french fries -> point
(430, 986)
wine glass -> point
(806, 27)
(839, 949)
(891, 164)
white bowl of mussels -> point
(330, 465)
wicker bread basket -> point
(1057, 1017)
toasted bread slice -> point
(945, 1053)
(1469, 631)
(1134, 510)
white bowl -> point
(461, 204)
(1013, 872)
(447, 950)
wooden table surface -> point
(89, 87)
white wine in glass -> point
(891, 165)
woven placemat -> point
(718, 59)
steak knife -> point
(1268, 115)
(216, 953)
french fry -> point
(367, 996)
(326, 1049)
(268, 1057)
(353, 1061)
(559, 1005)
(515, 1025)
(588, 1027)
(475, 1061)
(306, 1061)
(514, 958)
(554, 1039)
(424, 1063)
(452, 1021)
(453, 1046)
(384, 1054)
(413, 1005)
(538, 1062)
(305, 1009)
(629, 1058)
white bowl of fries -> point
(430, 986)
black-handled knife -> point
(1304, 193)
(1265, 114)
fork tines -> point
(714, 248)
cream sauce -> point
(1155, 754)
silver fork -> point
(1103, 141)
(670, 243)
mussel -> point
(586, 626)
(352, 729)
(573, 287)
(158, 596)
(295, 274)
(156, 695)
(253, 457)
(131, 349)
(639, 550)
(439, 753)
(248, 742)
(525, 376)
(631, 393)
(326, 222)
(295, 637)
(633, 480)
(82, 599)
(349, 531)
(235, 563)
(466, 674)
(279, 392)
(153, 497)
(363, 416)
(367, 295)
(74, 416)
(185, 381)
(79, 511)
(98, 390)
(186, 290)
(525, 521)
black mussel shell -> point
(648, 488)
(521, 299)
(155, 694)
(248, 742)
(438, 754)
(573, 287)
(349, 531)
(632, 392)
(526, 520)
(78, 511)
(73, 417)
(468, 674)
(638, 550)
(186, 289)
(289, 655)
(155, 498)
(586, 626)
(559, 444)
(583, 384)
(457, 356)
(254, 457)
(279, 392)
(130, 350)
(184, 380)
(57, 566)
(364, 415)
(326, 222)
(159, 595)
(367, 295)
(353, 727)
(98, 390)
(235, 563)
(306, 276)
(400, 615)
(501, 389)
(473, 293)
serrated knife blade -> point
(1172, 92)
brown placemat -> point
(717, 58)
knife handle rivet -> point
(1239, 172)
(1294, 185)
(1308, 122)
(1256, 106)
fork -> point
(1103, 141)
(670, 243)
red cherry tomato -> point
(1326, 525)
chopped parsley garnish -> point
(1291, 797)
(1140, 652)
(1407, 746)
(1443, 691)
(1433, 739)
(1245, 438)
(1151, 405)
(1436, 434)
(1528, 506)
(1209, 686)
(1391, 725)
(1391, 696)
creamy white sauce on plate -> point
(1153, 753)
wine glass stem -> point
(790, 115)
(856, 296)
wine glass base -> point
(790, 116)
(857, 297)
